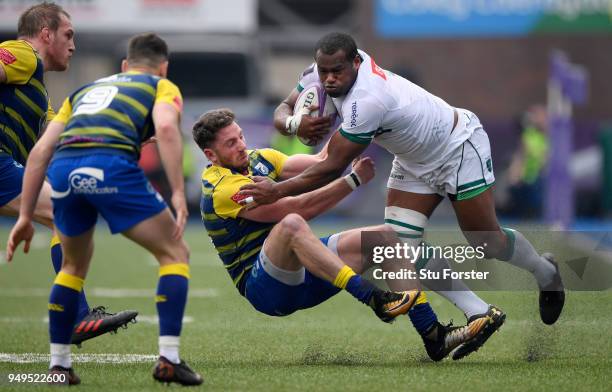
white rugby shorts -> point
(467, 173)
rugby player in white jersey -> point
(439, 151)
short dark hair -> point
(333, 42)
(39, 16)
(147, 49)
(206, 128)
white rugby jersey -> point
(398, 115)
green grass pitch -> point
(339, 345)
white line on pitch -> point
(82, 358)
(147, 319)
(103, 292)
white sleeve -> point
(362, 118)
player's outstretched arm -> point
(341, 152)
(33, 178)
(312, 204)
(297, 163)
(166, 118)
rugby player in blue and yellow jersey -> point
(278, 268)
(44, 43)
(95, 143)
(271, 254)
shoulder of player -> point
(14, 50)
(309, 70)
(18, 44)
(309, 75)
(220, 177)
(361, 97)
(266, 153)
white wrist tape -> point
(353, 180)
(293, 122)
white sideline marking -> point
(150, 319)
(147, 319)
(103, 292)
(82, 358)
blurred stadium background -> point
(521, 66)
(492, 57)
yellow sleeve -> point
(50, 112)
(225, 197)
(18, 60)
(170, 93)
(276, 158)
(64, 113)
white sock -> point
(60, 355)
(169, 348)
(460, 295)
(525, 257)
(410, 226)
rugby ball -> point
(314, 94)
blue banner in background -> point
(474, 18)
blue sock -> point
(422, 317)
(57, 258)
(63, 307)
(360, 289)
(171, 298)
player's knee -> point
(292, 225)
(184, 251)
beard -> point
(243, 169)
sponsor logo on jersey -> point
(354, 114)
(397, 176)
(85, 180)
(261, 169)
(489, 165)
(7, 57)
(237, 198)
(377, 70)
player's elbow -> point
(167, 132)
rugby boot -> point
(180, 373)
(99, 322)
(389, 304)
(481, 327)
(71, 376)
(441, 340)
(552, 296)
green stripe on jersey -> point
(356, 138)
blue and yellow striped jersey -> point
(237, 240)
(24, 102)
(113, 113)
